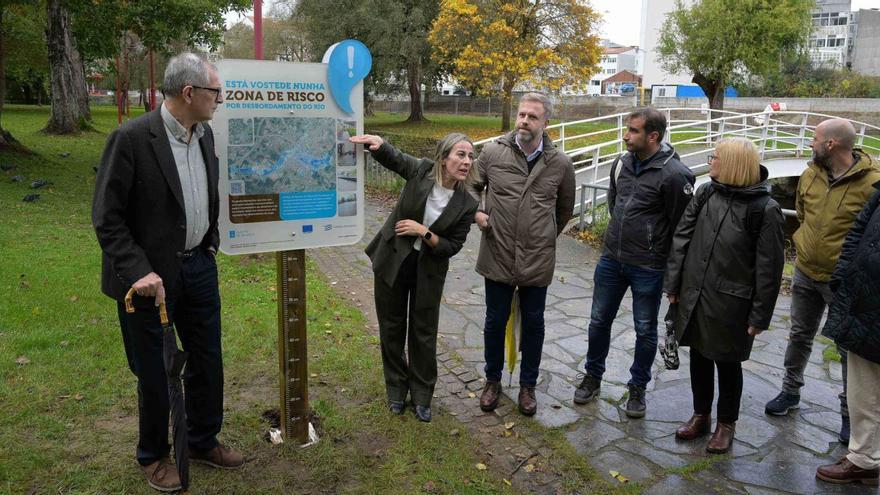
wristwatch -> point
(427, 235)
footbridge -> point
(782, 137)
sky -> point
(621, 18)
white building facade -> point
(615, 58)
(831, 41)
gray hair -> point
(185, 69)
(539, 98)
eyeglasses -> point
(710, 157)
(216, 91)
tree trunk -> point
(70, 99)
(6, 139)
(714, 90)
(368, 106)
(414, 80)
(506, 99)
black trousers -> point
(195, 312)
(400, 324)
(730, 385)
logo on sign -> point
(232, 234)
(328, 227)
(307, 229)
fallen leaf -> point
(328, 332)
(506, 433)
(529, 468)
(64, 343)
(481, 466)
(506, 482)
(472, 395)
(78, 396)
(454, 432)
(616, 475)
(73, 298)
(509, 426)
(314, 375)
(21, 361)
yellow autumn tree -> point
(493, 45)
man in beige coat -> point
(529, 197)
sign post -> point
(291, 180)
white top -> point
(437, 201)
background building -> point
(866, 45)
(832, 39)
(615, 59)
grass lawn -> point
(420, 139)
(68, 417)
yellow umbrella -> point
(512, 335)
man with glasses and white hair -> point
(155, 214)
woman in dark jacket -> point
(854, 324)
(410, 256)
(724, 273)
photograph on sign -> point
(289, 177)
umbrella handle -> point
(129, 307)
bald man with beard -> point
(830, 194)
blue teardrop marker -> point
(348, 63)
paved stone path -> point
(770, 454)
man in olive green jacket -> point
(529, 197)
(831, 192)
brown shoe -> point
(490, 397)
(528, 405)
(722, 439)
(221, 456)
(845, 471)
(697, 426)
(162, 475)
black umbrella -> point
(174, 359)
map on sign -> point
(274, 155)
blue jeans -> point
(531, 302)
(611, 280)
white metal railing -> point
(594, 143)
(694, 133)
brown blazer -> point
(388, 251)
(138, 210)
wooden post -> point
(118, 93)
(292, 348)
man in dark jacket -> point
(649, 190)
(529, 197)
(854, 324)
(155, 214)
